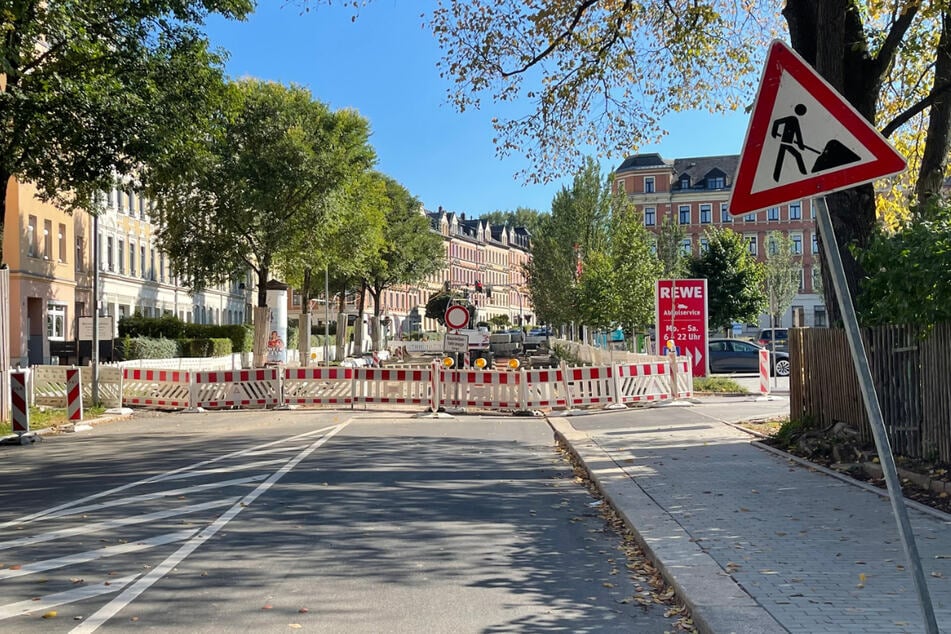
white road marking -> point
(145, 582)
(98, 527)
(157, 478)
(145, 497)
(99, 553)
(238, 467)
(69, 596)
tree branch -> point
(576, 19)
(907, 115)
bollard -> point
(74, 394)
(19, 410)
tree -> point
(254, 183)
(783, 274)
(500, 321)
(91, 88)
(589, 70)
(670, 250)
(521, 217)
(734, 279)
(408, 253)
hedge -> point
(171, 327)
(208, 347)
(130, 348)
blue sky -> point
(383, 64)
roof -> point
(697, 168)
(651, 160)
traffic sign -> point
(457, 316)
(804, 139)
(455, 343)
(681, 317)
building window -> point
(152, 264)
(62, 242)
(815, 243)
(706, 213)
(131, 203)
(685, 214)
(751, 244)
(121, 256)
(751, 217)
(772, 214)
(119, 201)
(648, 184)
(716, 182)
(685, 246)
(47, 239)
(56, 322)
(812, 209)
(650, 216)
(31, 237)
(80, 253)
(816, 278)
(132, 259)
(141, 207)
(725, 213)
(161, 267)
(110, 254)
(771, 247)
(795, 211)
(704, 245)
(819, 316)
(802, 280)
(142, 268)
(796, 243)
(685, 182)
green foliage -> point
(438, 303)
(564, 354)
(130, 348)
(204, 347)
(734, 279)
(717, 384)
(500, 321)
(909, 271)
(783, 272)
(789, 432)
(670, 250)
(254, 182)
(166, 326)
(522, 217)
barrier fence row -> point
(434, 386)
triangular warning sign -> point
(804, 139)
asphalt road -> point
(279, 521)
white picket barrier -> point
(318, 386)
(590, 385)
(405, 386)
(480, 388)
(683, 378)
(162, 389)
(643, 382)
(544, 388)
(236, 388)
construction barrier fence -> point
(434, 386)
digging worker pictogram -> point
(790, 140)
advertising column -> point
(681, 311)
(277, 326)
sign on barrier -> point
(236, 388)
(156, 388)
(400, 387)
(318, 386)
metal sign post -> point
(876, 420)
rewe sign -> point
(681, 317)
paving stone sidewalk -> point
(754, 541)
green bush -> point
(718, 384)
(130, 348)
(241, 335)
(205, 347)
(167, 327)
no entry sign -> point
(681, 311)
(457, 317)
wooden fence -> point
(912, 376)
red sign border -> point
(460, 307)
(782, 58)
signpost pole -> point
(876, 420)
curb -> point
(717, 603)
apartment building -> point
(695, 193)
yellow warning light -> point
(670, 345)
(480, 363)
(513, 363)
(448, 362)
(313, 356)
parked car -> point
(734, 355)
(779, 335)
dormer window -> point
(685, 182)
(716, 182)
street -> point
(264, 521)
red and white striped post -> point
(19, 407)
(74, 394)
(764, 371)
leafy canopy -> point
(734, 279)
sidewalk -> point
(753, 541)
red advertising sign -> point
(681, 310)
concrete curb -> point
(717, 603)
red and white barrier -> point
(399, 387)
(74, 394)
(165, 389)
(318, 386)
(544, 388)
(764, 371)
(480, 388)
(236, 388)
(642, 382)
(590, 385)
(19, 406)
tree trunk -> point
(303, 337)
(934, 158)
(358, 329)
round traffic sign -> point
(457, 316)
